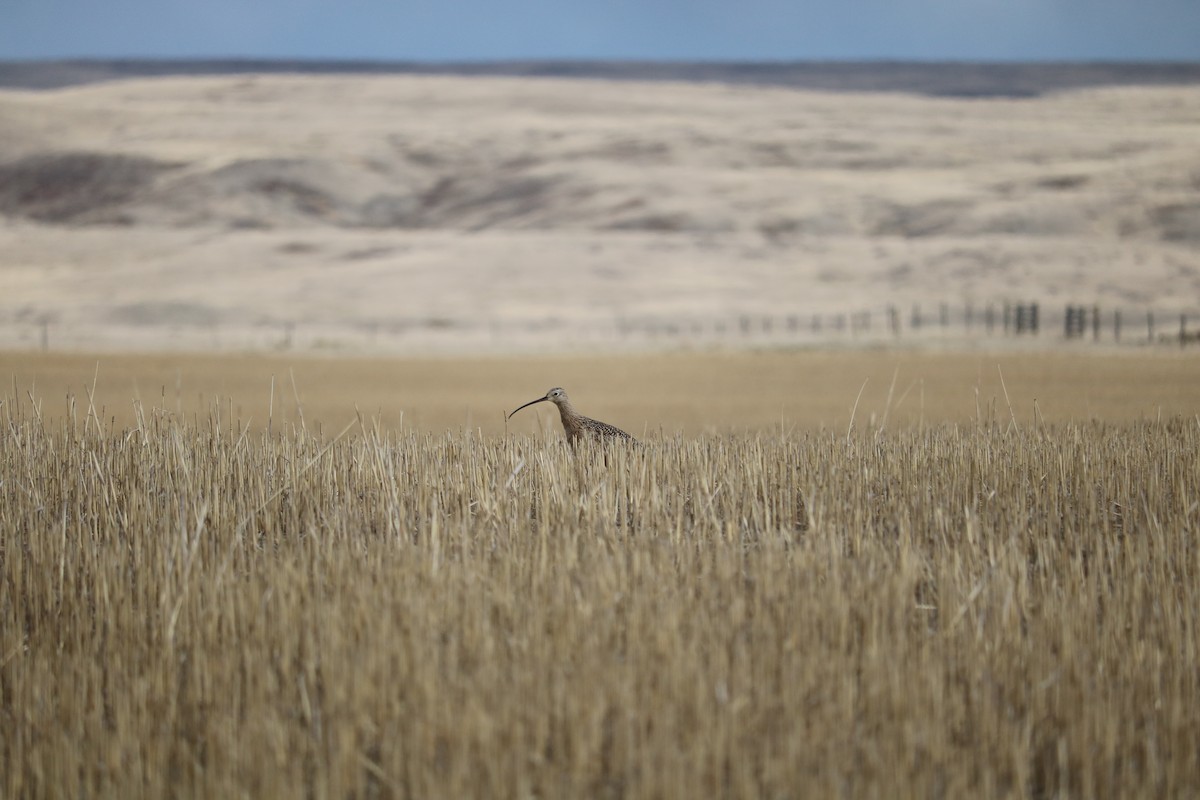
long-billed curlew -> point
(575, 424)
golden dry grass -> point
(192, 607)
(684, 393)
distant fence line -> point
(1026, 320)
(1006, 319)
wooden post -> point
(989, 319)
(1150, 327)
(1096, 323)
(1182, 330)
(1033, 318)
(894, 320)
(1007, 318)
(1116, 324)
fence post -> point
(989, 319)
(894, 320)
(915, 324)
(1033, 318)
(1150, 326)
(1007, 318)
(1182, 330)
(1116, 324)
(1096, 323)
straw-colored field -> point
(994, 603)
(650, 394)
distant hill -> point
(472, 214)
(934, 79)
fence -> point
(1077, 322)
(1017, 321)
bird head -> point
(557, 395)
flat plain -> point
(647, 394)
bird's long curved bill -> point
(527, 405)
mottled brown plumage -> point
(576, 425)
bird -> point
(577, 426)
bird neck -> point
(566, 412)
(572, 423)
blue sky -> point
(644, 29)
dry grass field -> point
(654, 394)
(997, 603)
(242, 554)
